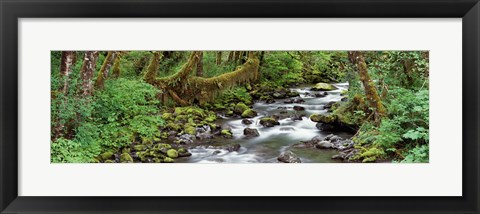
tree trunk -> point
(116, 67)
(68, 59)
(356, 57)
(105, 69)
(199, 64)
(86, 73)
(230, 56)
(219, 58)
(236, 56)
(152, 67)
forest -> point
(239, 107)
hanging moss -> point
(184, 88)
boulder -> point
(323, 87)
(226, 133)
(168, 160)
(325, 127)
(329, 105)
(249, 132)
(240, 108)
(288, 157)
(298, 108)
(292, 94)
(270, 101)
(296, 117)
(340, 155)
(172, 153)
(249, 113)
(126, 158)
(321, 94)
(182, 152)
(247, 121)
(278, 95)
(185, 139)
(268, 122)
(324, 145)
(289, 101)
(233, 148)
(106, 155)
(299, 100)
(323, 118)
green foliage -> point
(71, 151)
(405, 126)
(419, 154)
(124, 110)
(235, 95)
(281, 68)
(128, 109)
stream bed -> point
(274, 140)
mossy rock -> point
(109, 161)
(219, 106)
(226, 133)
(321, 118)
(293, 94)
(240, 108)
(126, 150)
(168, 160)
(323, 87)
(249, 113)
(106, 155)
(211, 118)
(269, 122)
(182, 150)
(190, 130)
(229, 113)
(179, 111)
(213, 126)
(181, 118)
(126, 158)
(139, 147)
(174, 126)
(172, 153)
(158, 160)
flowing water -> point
(274, 140)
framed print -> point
(239, 106)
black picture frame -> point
(12, 10)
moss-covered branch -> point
(183, 88)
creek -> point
(274, 140)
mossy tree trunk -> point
(105, 69)
(86, 72)
(116, 66)
(357, 58)
(67, 61)
(219, 58)
(199, 63)
(184, 88)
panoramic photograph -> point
(242, 107)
